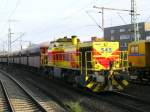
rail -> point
(10, 107)
(25, 91)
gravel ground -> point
(141, 91)
(67, 96)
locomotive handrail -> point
(122, 60)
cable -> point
(121, 18)
(147, 19)
(3, 5)
(16, 6)
(94, 21)
(10, 15)
(77, 12)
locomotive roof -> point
(140, 41)
(23, 51)
(15, 53)
(36, 48)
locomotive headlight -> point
(123, 69)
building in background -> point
(124, 33)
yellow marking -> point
(90, 85)
(97, 88)
(114, 82)
(120, 87)
(125, 82)
(86, 78)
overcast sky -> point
(43, 20)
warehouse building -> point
(125, 34)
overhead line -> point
(112, 9)
(147, 18)
(11, 14)
(94, 21)
(77, 11)
(121, 18)
(16, 6)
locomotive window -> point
(50, 56)
(134, 49)
(61, 56)
(57, 56)
(66, 57)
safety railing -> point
(124, 59)
(118, 60)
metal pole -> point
(9, 42)
(21, 43)
(9, 36)
(103, 20)
(3, 47)
(105, 8)
(134, 20)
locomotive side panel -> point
(137, 54)
(36, 61)
(64, 57)
(23, 60)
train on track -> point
(97, 64)
(139, 60)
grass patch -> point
(75, 107)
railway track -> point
(121, 100)
(132, 97)
(68, 96)
(124, 101)
(5, 105)
(130, 102)
(19, 99)
(143, 83)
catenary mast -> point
(134, 20)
